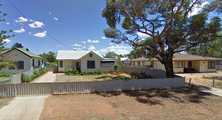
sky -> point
(77, 24)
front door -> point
(77, 64)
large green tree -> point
(166, 22)
(49, 57)
(5, 60)
(17, 45)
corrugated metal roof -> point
(74, 55)
(181, 57)
(25, 51)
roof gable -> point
(24, 51)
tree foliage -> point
(4, 60)
(166, 22)
(17, 45)
(49, 57)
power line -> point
(40, 28)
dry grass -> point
(66, 78)
(4, 101)
(204, 79)
(167, 104)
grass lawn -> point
(204, 79)
(66, 78)
(4, 101)
(4, 78)
(167, 104)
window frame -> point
(90, 55)
(20, 65)
(61, 63)
(93, 66)
(178, 65)
(213, 66)
(189, 63)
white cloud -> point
(143, 39)
(30, 20)
(50, 13)
(21, 19)
(36, 24)
(83, 42)
(103, 37)
(55, 18)
(142, 34)
(30, 33)
(89, 40)
(84, 47)
(197, 8)
(7, 23)
(104, 50)
(77, 48)
(20, 31)
(110, 43)
(117, 49)
(76, 44)
(91, 48)
(95, 41)
(6, 40)
(42, 34)
(59, 46)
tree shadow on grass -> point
(156, 96)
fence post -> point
(189, 83)
(213, 81)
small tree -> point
(166, 22)
(4, 60)
(17, 45)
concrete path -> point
(47, 77)
(214, 91)
(23, 108)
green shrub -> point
(35, 74)
(120, 70)
(139, 75)
(122, 77)
(52, 64)
(3, 74)
(24, 78)
(72, 71)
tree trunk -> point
(169, 68)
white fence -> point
(11, 90)
(16, 78)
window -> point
(138, 63)
(33, 61)
(90, 55)
(133, 63)
(19, 65)
(38, 62)
(60, 63)
(143, 63)
(152, 64)
(211, 64)
(189, 63)
(77, 64)
(90, 64)
(42, 61)
(178, 65)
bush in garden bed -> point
(139, 75)
(36, 73)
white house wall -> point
(84, 63)
(16, 55)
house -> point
(26, 60)
(87, 61)
(180, 61)
(125, 61)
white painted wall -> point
(19, 57)
(84, 63)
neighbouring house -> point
(125, 61)
(26, 60)
(181, 62)
(87, 61)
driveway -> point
(23, 108)
(47, 77)
(211, 90)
